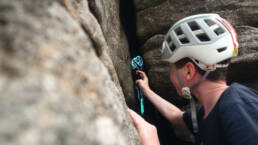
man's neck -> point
(208, 94)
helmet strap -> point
(186, 92)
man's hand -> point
(144, 82)
(148, 132)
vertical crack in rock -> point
(128, 21)
(80, 12)
(95, 11)
(90, 26)
(107, 14)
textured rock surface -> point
(65, 71)
(153, 22)
(143, 4)
(56, 83)
(100, 19)
(158, 19)
(107, 12)
(245, 67)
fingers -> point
(147, 132)
(137, 82)
(142, 74)
(134, 115)
(137, 119)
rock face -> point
(244, 68)
(107, 14)
(65, 66)
(58, 80)
(101, 20)
(144, 4)
(154, 21)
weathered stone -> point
(143, 4)
(80, 11)
(158, 19)
(103, 25)
(54, 88)
(244, 67)
(63, 62)
(107, 12)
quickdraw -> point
(137, 64)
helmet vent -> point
(219, 31)
(169, 39)
(203, 37)
(178, 31)
(172, 47)
(209, 22)
(197, 61)
(184, 40)
(221, 49)
(194, 26)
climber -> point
(198, 49)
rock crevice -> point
(65, 74)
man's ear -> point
(190, 71)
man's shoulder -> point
(238, 116)
(238, 94)
(238, 99)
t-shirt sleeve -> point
(187, 117)
(188, 121)
(240, 123)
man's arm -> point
(170, 111)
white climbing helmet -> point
(207, 39)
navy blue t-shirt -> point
(232, 121)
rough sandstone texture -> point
(58, 81)
(65, 67)
(154, 21)
(100, 19)
(144, 4)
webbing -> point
(186, 92)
